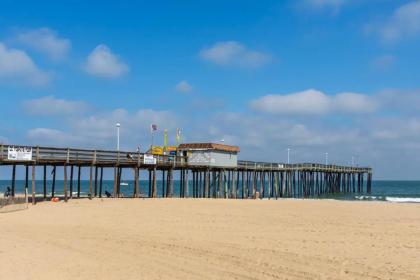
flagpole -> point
(151, 134)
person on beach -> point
(8, 192)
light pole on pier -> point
(118, 136)
(288, 155)
(326, 158)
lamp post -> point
(118, 136)
(288, 155)
(326, 158)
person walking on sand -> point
(8, 192)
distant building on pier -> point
(210, 154)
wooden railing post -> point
(37, 154)
(94, 158)
(1, 152)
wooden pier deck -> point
(248, 179)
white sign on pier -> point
(19, 153)
(149, 159)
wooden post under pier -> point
(65, 183)
(100, 182)
(33, 184)
(136, 182)
(71, 181)
(13, 180)
(45, 183)
(53, 181)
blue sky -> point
(336, 76)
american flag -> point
(153, 128)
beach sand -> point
(211, 239)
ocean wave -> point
(389, 198)
(403, 199)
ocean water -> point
(391, 191)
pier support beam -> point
(45, 183)
(79, 171)
(91, 182)
(136, 182)
(33, 185)
(65, 183)
(53, 182)
(154, 192)
(96, 181)
(163, 184)
(26, 179)
(13, 180)
(150, 184)
(170, 183)
(369, 183)
(206, 183)
(71, 181)
(115, 181)
(186, 189)
(100, 182)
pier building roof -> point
(209, 146)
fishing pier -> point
(204, 171)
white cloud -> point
(45, 41)
(313, 102)
(183, 87)
(51, 106)
(101, 62)
(231, 53)
(349, 102)
(17, 66)
(404, 22)
(55, 137)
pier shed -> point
(210, 154)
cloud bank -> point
(313, 102)
(51, 106)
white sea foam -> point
(403, 199)
(368, 197)
(389, 198)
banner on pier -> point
(149, 159)
(19, 153)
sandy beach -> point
(211, 239)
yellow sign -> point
(157, 150)
(170, 149)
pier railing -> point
(72, 156)
(300, 166)
(51, 155)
